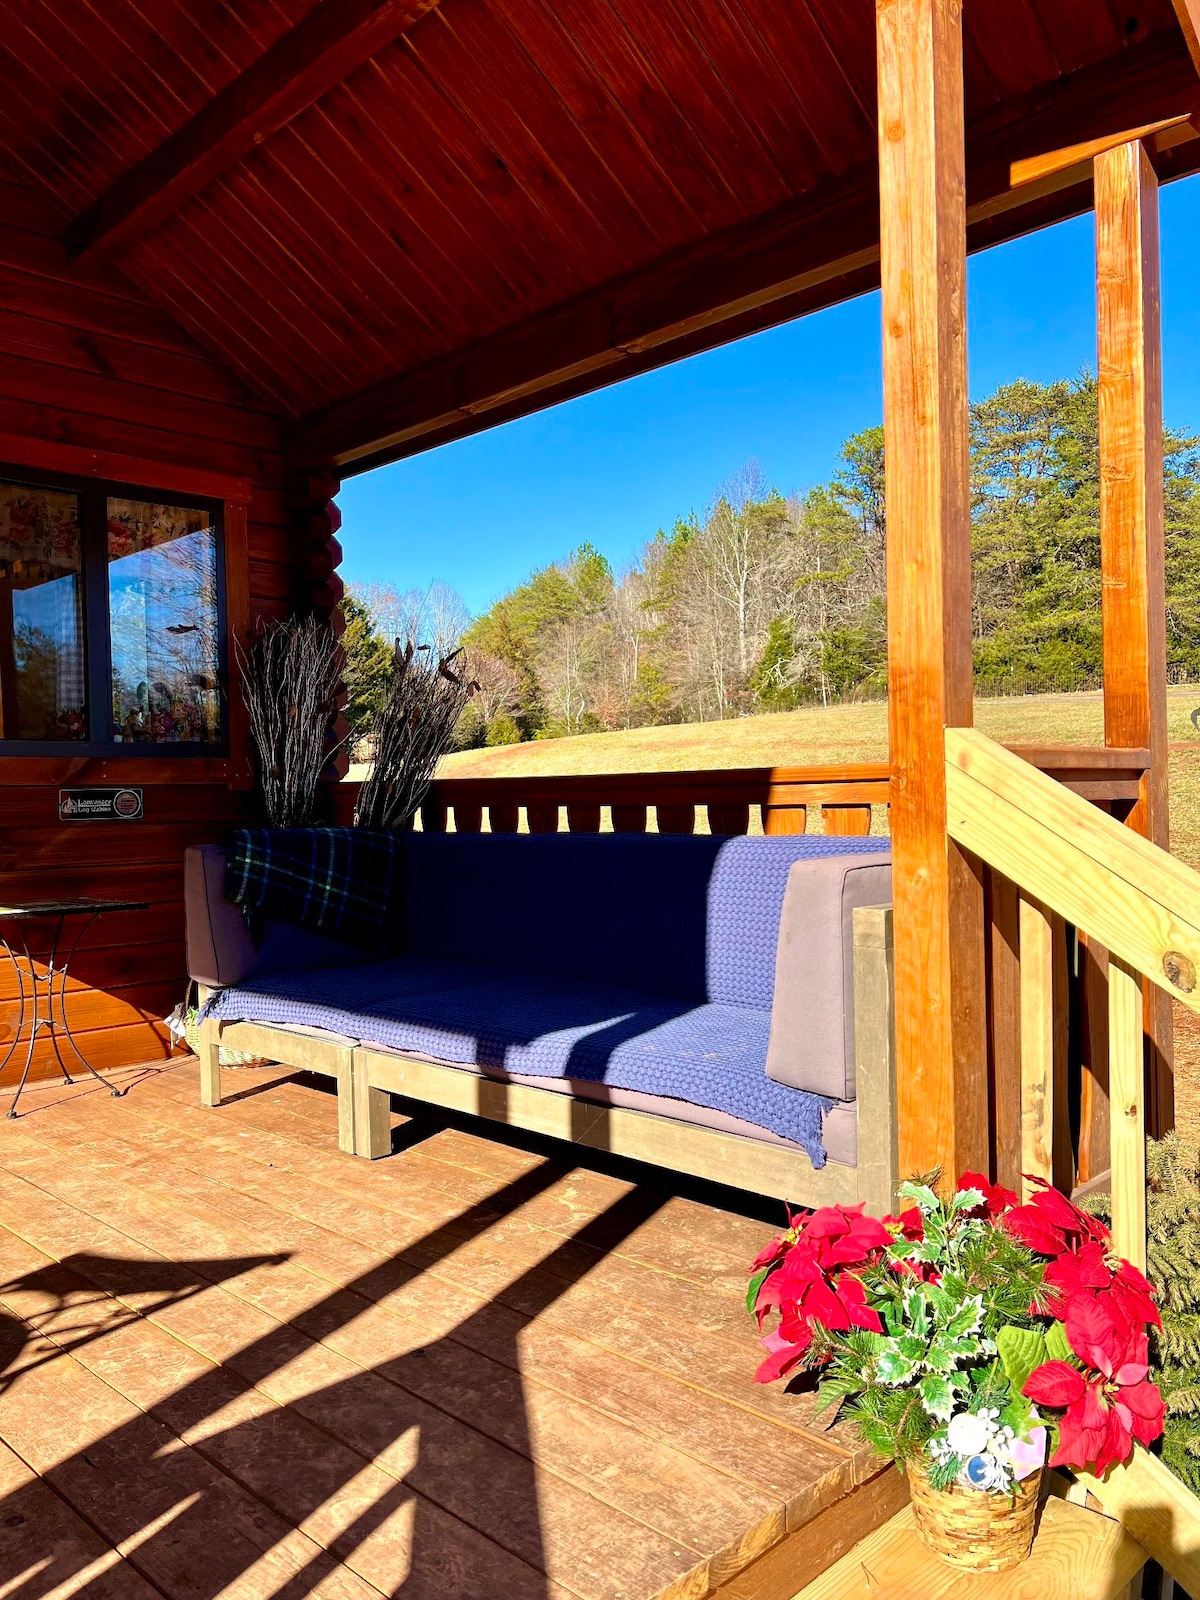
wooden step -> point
(1077, 1555)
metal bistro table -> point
(38, 993)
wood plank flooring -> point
(235, 1362)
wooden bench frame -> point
(366, 1078)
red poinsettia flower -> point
(811, 1284)
(843, 1235)
(996, 1198)
(1108, 1406)
(1095, 1271)
(1050, 1224)
(782, 1356)
(910, 1226)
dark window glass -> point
(163, 623)
(42, 669)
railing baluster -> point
(676, 819)
(433, 816)
(583, 817)
(542, 816)
(629, 819)
(504, 816)
(1126, 1084)
(1037, 1044)
(732, 818)
(846, 821)
(784, 819)
(468, 816)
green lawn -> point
(842, 733)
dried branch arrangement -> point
(410, 734)
(290, 675)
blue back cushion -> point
(692, 918)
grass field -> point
(814, 736)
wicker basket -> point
(968, 1528)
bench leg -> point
(210, 1064)
(372, 1116)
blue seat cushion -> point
(708, 1054)
(687, 918)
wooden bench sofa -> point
(720, 1007)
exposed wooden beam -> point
(1188, 12)
(1129, 341)
(1077, 155)
(812, 252)
(334, 38)
(941, 1067)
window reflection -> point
(162, 591)
(42, 677)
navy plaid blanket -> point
(338, 881)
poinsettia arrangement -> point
(966, 1333)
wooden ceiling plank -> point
(1053, 162)
(597, 113)
(334, 39)
(829, 236)
(1188, 12)
(467, 270)
(527, 174)
(469, 163)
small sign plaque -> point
(100, 805)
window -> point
(111, 621)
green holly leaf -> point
(912, 1347)
(894, 1368)
(937, 1396)
(967, 1199)
(920, 1195)
(1021, 1350)
(832, 1393)
(1057, 1346)
(916, 1309)
(966, 1318)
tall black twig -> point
(410, 734)
(290, 678)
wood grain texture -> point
(1157, 1509)
(314, 1346)
(940, 1022)
(1074, 155)
(1037, 1045)
(1131, 516)
(1188, 12)
(96, 382)
(334, 38)
(1140, 902)
(1127, 1134)
(1004, 1023)
(1077, 1555)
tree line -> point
(767, 602)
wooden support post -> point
(938, 892)
(1131, 520)
(1128, 1136)
(372, 1114)
(1037, 1045)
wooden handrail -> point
(1138, 901)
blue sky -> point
(614, 466)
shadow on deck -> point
(237, 1362)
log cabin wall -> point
(87, 362)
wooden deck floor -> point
(238, 1363)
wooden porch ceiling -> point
(402, 221)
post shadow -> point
(424, 1393)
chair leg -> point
(372, 1116)
(210, 1063)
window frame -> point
(93, 493)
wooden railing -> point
(1070, 861)
(1139, 903)
(733, 801)
(782, 796)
